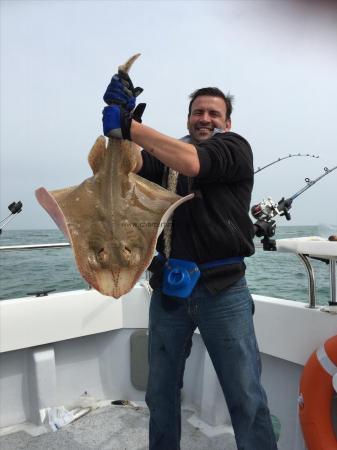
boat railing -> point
(304, 259)
(5, 248)
(26, 247)
(57, 245)
(314, 248)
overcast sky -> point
(278, 58)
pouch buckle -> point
(180, 277)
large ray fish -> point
(114, 218)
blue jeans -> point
(226, 325)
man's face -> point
(207, 113)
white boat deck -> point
(54, 349)
(113, 428)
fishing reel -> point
(14, 208)
(265, 225)
(265, 211)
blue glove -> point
(117, 120)
(121, 91)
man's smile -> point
(203, 128)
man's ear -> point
(228, 124)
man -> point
(211, 234)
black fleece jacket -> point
(216, 223)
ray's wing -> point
(113, 242)
(114, 218)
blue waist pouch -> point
(180, 277)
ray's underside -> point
(112, 219)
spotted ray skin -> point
(112, 219)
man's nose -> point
(205, 117)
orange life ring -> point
(318, 380)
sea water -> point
(281, 275)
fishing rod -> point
(15, 208)
(281, 159)
(267, 210)
(312, 182)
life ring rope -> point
(325, 361)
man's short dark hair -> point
(213, 92)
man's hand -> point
(117, 120)
(121, 98)
(121, 91)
